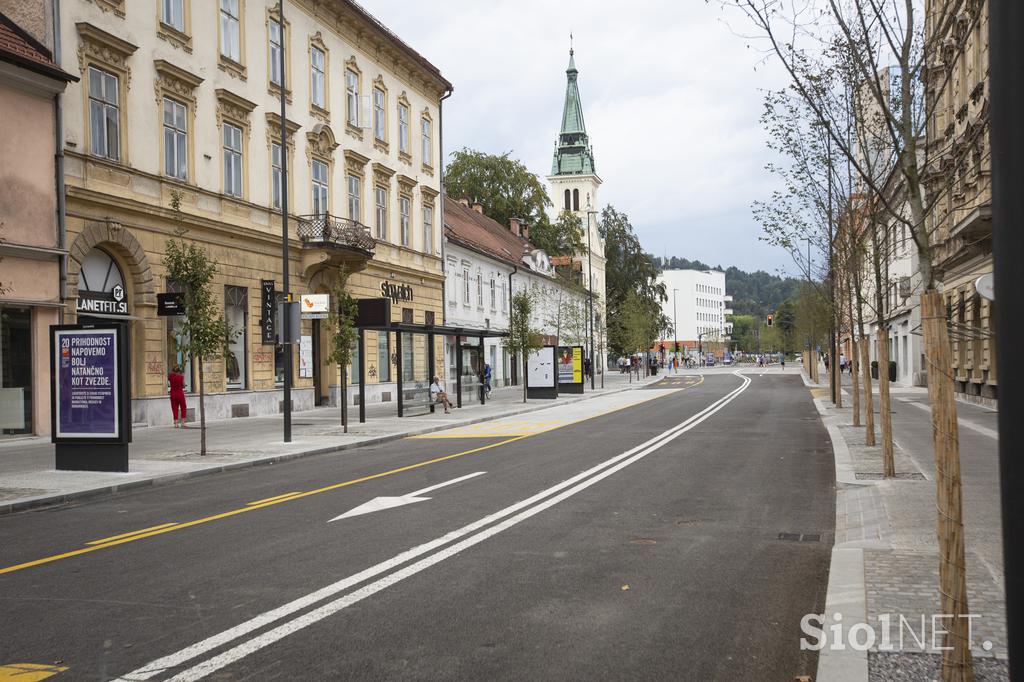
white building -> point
(696, 305)
(485, 263)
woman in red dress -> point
(177, 382)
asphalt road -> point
(639, 543)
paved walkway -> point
(885, 559)
(163, 454)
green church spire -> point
(573, 155)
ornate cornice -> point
(355, 162)
(382, 174)
(406, 184)
(95, 44)
(233, 107)
(320, 141)
(175, 81)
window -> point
(236, 304)
(403, 216)
(379, 129)
(428, 229)
(320, 187)
(504, 298)
(408, 356)
(575, 200)
(494, 296)
(426, 145)
(276, 51)
(382, 212)
(317, 61)
(479, 290)
(353, 367)
(104, 114)
(383, 357)
(177, 339)
(465, 285)
(354, 191)
(175, 140)
(173, 14)
(275, 174)
(568, 200)
(403, 128)
(232, 160)
(230, 40)
(352, 97)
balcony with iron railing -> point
(326, 231)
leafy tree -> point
(341, 323)
(205, 333)
(522, 338)
(508, 189)
(631, 282)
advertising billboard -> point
(87, 384)
(540, 368)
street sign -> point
(985, 286)
(315, 306)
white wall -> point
(696, 302)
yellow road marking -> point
(288, 497)
(28, 672)
(274, 498)
(134, 532)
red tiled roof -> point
(18, 47)
(477, 231)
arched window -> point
(568, 205)
(575, 200)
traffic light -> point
(770, 320)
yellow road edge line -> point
(29, 672)
(467, 436)
(254, 506)
(274, 498)
(134, 532)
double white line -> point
(467, 537)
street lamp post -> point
(675, 331)
(284, 323)
(831, 274)
(590, 298)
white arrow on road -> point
(381, 503)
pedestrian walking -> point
(782, 361)
(487, 378)
(842, 363)
(179, 411)
(439, 395)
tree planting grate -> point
(906, 476)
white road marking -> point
(381, 503)
(983, 430)
(581, 481)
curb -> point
(166, 479)
(846, 599)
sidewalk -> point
(885, 560)
(163, 454)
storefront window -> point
(177, 342)
(279, 348)
(236, 304)
(353, 374)
(15, 371)
(383, 358)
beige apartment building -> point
(31, 247)
(178, 105)
(959, 182)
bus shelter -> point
(413, 341)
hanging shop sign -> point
(103, 303)
(268, 309)
(170, 304)
(396, 292)
(315, 306)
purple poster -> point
(87, 400)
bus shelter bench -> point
(416, 399)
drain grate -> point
(906, 476)
(800, 537)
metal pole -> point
(675, 331)
(831, 274)
(1006, 85)
(590, 299)
(285, 340)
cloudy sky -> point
(671, 98)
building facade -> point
(175, 128)
(31, 237)
(959, 184)
(573, 186)
(697, 306)
(486, 262)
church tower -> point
(573, 185)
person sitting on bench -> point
(438, 394)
